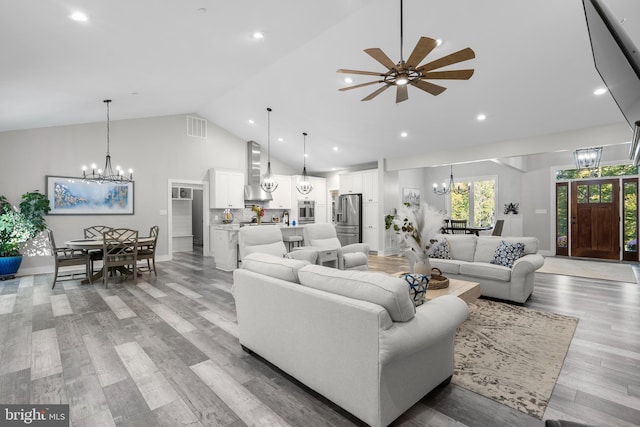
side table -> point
(328, 257)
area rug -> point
(592, 269)
(512, 354)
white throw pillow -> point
(379, 288)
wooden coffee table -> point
(468, 291)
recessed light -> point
(333, 169)
(404, 134)
(280, 139)
(202, 10)
(251, 121)
(306, 155)
(335, 148)
(600, 91)
(481, 117)
(79, 16)
(258, 35)
(348, 80)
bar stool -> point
(292, 241)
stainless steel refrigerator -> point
(349, 218)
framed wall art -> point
(74, 196)
(411, 196)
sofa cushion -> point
(439, 250)
(486, 246)
(507, 253)
(450, 266)
(486, 270)
(378, 288)
(462, 246)
(274, 266)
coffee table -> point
(467, 291)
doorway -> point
(188, 217)
(595, 219)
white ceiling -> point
(534, 72)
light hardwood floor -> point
(164, 352)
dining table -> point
(87, 245)
(468, 229)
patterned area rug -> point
(512, 354)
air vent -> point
(196, 127)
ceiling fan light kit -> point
(410, 72)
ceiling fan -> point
(407, 73)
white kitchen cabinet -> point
(370, 226)
(351, 183)
(226, 189)
(282, 194)
(321, 213)
(370, 186)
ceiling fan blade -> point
(361, 85)
(401, 93)
(366, 73)
(453, 58)
(449, 75)
(423, 48)
(374, 94)
(381, 57)
(433, 89)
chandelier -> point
(107, 174)
(588, 158)
(448, 188)
(304, 186)
(268, 183)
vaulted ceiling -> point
(534, 73)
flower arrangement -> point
(417, 225)
(259, 211)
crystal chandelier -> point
(304, 186)
(450, 187)
(268, 183)
(107, 174)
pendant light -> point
(268, 183)
(107, 174)
(450, 187)
(304, 186)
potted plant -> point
(18, 225)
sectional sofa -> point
(355, 337)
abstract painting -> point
(73, 196)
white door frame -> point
(198, 185)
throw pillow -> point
(507, 253)
(439, 250)
(418, 284)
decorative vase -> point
(418, 263)
(9, 266)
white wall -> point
(156, 148)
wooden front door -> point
(595, 217)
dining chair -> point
(120, 252)
(458, 226)
(147, 251)
(65, 257)
(95, 232)
(497, 228)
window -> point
(475, 202)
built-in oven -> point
(306, 212)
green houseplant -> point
(18, 225)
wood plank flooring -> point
(164, 352)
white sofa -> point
(355, 337)
(471, 257)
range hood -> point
(253, 192)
